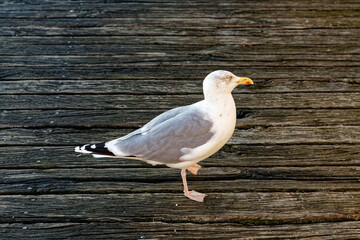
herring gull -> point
(183, 136)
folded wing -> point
(163, 139)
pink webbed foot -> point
(194, 168)
(196, 196)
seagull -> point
(183, 136)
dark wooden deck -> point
(74, 72)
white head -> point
(222, 82)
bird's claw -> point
(196, 196)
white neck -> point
(222, 105)
(218, 98)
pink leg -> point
(193, 195)
(194, 168)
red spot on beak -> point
(244, 80)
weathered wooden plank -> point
(230, 155)
(171, 86)
(54, 185)
(255, 135)
(176, 72)
(185, 22)
(197, 19)
(176, 59)
(155, 180)
(124, 101)
(205, 11)
(86, 47)
(163, 230)
(137, 118)
(154, 175)
(225, 11)
(280, 37)
(160, 42)
(165, 5)
(218, 207)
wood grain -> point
(168, 174)
(170, 86)
(163, 230)
(220, 207)
(183, 71)
(176, 60)
(299, 155)
(111, 184)
(85, 46)
(253, 135)
(137, 118)
(165, 180)
(126, 101)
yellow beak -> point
(245, 80)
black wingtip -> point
(99, 148)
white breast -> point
(223, 115)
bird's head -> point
(223, 82)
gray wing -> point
(156, 121)
(162, 139)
